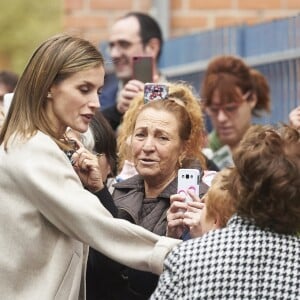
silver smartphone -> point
(188, 179)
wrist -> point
(119, 108)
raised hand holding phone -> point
(128, 92)
(142, 72)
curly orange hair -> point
(182, 92)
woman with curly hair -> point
(162, 136)
(257, 255)
(183, 93)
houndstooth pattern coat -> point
(240, 261)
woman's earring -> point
(49, 95)
(180, 162)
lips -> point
(147, 161)
(87, 117)
(119, 62)
(225, 130)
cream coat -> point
(47, 219)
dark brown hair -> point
(149, 29)
(105, 140)
(266, 178)
(226, 73)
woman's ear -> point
(182, 156)
(217, 223)
(252, 101)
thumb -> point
(156, 78)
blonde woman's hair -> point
(180, 92)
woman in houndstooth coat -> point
(257, 255)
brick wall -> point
(93, 18)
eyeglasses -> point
(229, 109)
(122, 45)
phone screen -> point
(142, 67)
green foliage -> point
(24, 25)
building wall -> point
(93, 18)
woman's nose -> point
(221, 116)
(95, 101)
(149, 144)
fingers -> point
(195, 206)
(175, 230)
(175, 215)
(193, 218)
(134, 85)
(193, 222)
(84, 160)
(129, 91)
(177, 197)
(194, 197)
(175, 224)
(156, 78)
(88, 169)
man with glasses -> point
(232, 93)
(135, 34)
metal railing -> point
(271, 47)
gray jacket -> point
(129, 197)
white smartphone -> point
(188, 179)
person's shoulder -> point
(135, 181)
(41, 139)
(31, 147)
(41, 147)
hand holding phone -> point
(127, 93)
(188, 180)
